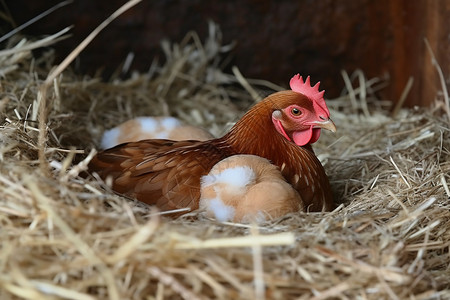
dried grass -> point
(66, 237)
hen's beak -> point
(327, 124)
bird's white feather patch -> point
(170, 123)
(161, 135)
(207, 180)
(110, 138)
(148, 124)
(221, 211)
(237, 177)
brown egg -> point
(245, 188)
(143, 128)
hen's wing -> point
(159, 172)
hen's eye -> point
(296, 112)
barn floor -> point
(66, 237)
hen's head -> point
(301, 113)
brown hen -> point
(280, 128)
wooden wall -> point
(275, 39)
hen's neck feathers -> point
(255, 134)
(255, 130)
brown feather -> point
(167, 173)
(159, 172)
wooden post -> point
(414, 21)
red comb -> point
(312, 92)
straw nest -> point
(64, 236)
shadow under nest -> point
(66, 236)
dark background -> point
(274, 39)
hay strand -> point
(34, 20)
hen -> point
(247, 188)
(280, 128)
(143, 128)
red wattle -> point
(301, 138)
(315, 135)
(308, 136)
